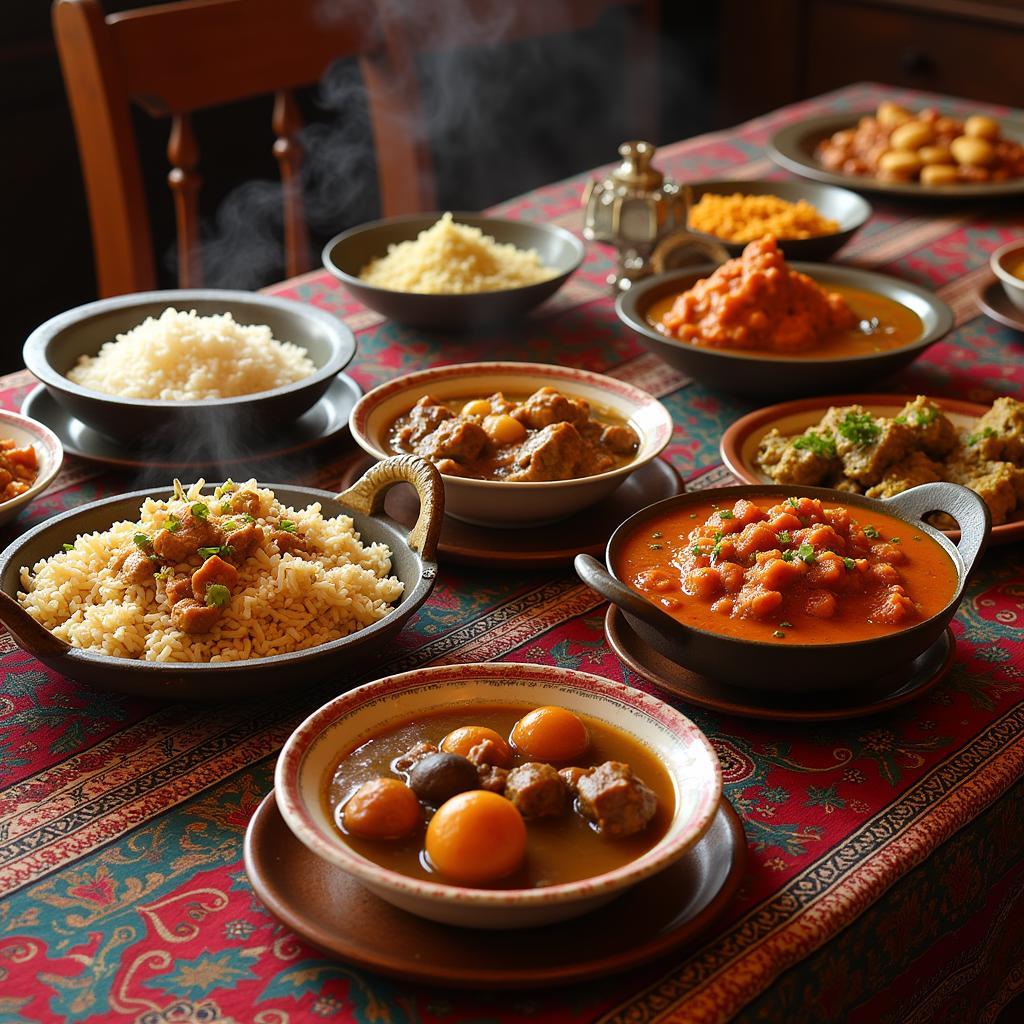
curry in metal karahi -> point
(501, 797)
(544, 436)
(799, 570)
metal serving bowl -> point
(412, 561)
(347, 254)
(224, 425)
(793, 667)
(759, 375)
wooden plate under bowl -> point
(330, 909)
(740, 441)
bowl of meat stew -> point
(577, 788)
(517, 444)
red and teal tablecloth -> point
(886, 854)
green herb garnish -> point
(698, 551)
(654, 547)
(142, 540)
(806, 554)
(199, 510)
(870, 531)
(973, 439)
(788, 556)
(820, 444)
(68, 547)
(225, 488)
(287, 525)
(246, 518)
(217, 595)
(860, 428)
(785, 537)
(792, 503)
(223, 551)
(725, 514)
(230, 526)
(779, 635)
(850, 564)
(786, 625)
(894, 540)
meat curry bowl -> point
(515, 845)
(227, 591)
(791, 588)
(887, 323)
(517, 444)
(240, 367)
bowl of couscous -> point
(810, 221)
(453, 271)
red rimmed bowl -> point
(49, 452)
(319, 743)
(505, 503)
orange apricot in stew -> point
(550, 734)
(382, 809)
(476, 837)
(799, 570)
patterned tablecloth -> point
(886, 878)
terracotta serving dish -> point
(794, 667)
(847, 208)
(347, 254)
(412, 561)
(758, 375)
(318, 744)
(48, 450)
(741, 439)
(516, 503)
(226, 426)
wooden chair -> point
(175, 59)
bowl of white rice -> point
(322, 584)
(453, 271)
(208, 370)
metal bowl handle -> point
(597, 577)
(30, 635)
(366, 495)
(969, 511)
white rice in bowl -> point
(283, 601)
(182, 356)
(454, 259)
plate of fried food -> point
(920, 153)
(881, 445)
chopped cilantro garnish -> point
(223, 551)
(806, 554)
(779, 635)
(820, 444)
(725, 514)
(870, 531)
(894, 540)
(654, 547)
(718, 536)
(850, 564)
(162, 574)
(287, 525)
(217, 595)
(199, 510)
(229, 526)
(142, 540)
(246, 518)
(225, 488)
(785, 537)
(788, 556)
(172, 524)
(973, 439)
(786, 625)
(68, 547)
(698, 550)
(792, 503)
(860, 428)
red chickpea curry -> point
(543, 436)
(799, 570)
(501, 797)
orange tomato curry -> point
(756, 303)
(799, 571)
(558, 849)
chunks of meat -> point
(244, 541)
(999, 434)
(418, 750)
(213, 570)
(492, 778)
(620, 439)
(457, 439)
(572, 776)
(807, 459)
(553, 453)
(934, 433)
(618, 802)
(915, 469)
(247, 502)
(866, 444)
(191, 616)
(138, 568)
(178, 589)
(424, 418)
(546, 406)
(486, 752)
(288, 542)
(537, 790)
(193, 532)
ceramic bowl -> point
(847, 208)
(1012, 252)
(315, 748)
(48, 448)
(759, 375)
(347, 254)
(225, 426)
(794, 667)
(516, 503)
(412, 561)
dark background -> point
(541, 111)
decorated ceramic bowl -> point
(24, 431)
(505, 503)
(1002, 260)
(319, 743)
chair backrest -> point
(178, 58)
